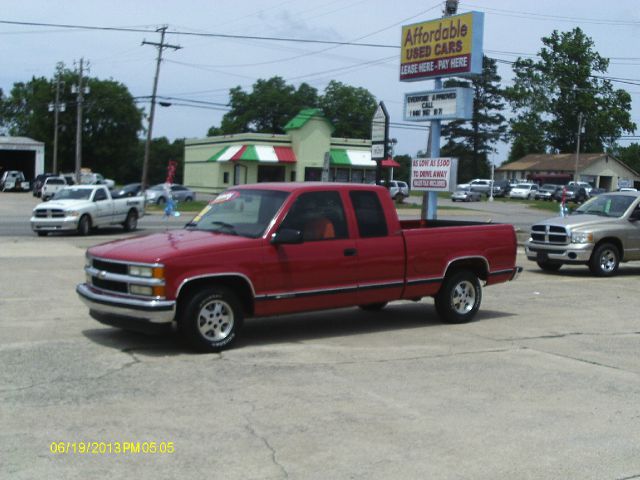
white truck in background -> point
(81, 208)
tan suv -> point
(601, 233)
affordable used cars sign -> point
(444, 47)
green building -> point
(213, 164)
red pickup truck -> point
(277, 248)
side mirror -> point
(286, 236)
(635, 215)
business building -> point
(599, 169)
(303, 153)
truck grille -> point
(110, 267)
(550, 234)
(49, 213)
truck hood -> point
(577, 221)
(64, 204)
(159, 247)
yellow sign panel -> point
(447, 46)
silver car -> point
(159, 194)
(464, 194)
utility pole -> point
(56, 108)
(580, 127)
(80, 91)
(147, 146)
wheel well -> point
(477, 265)
(237, 285)
(614, 241)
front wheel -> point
(459, 297)
(131, 222)
(84, 225)
(605, 260)
(212, 319)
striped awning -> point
(351, 158)
(255, 153)
(358, 158)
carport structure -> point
(22, 153)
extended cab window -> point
(369, 214)
(318, 215)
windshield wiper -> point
(230, 228)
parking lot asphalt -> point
(544, 383)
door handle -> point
(350, 252)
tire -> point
(84, 225)
(131, 222)
(459, 297)
(211, 319)
(42, 234)
(161, 201)
(549, 266)
(188, 199)
(373, 307)
(605, 260)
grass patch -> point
(194, 207)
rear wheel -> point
(459, 297)
(212, 319)
(605, 260)
(160, 201)
(549, 266)
(42, 234)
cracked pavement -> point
(544, 384)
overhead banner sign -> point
(434, 174)
(443, 47)
(445, 104)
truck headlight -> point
(138, 271)
(72, 213)
(141, 290)
(581, 237)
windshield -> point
(239, 212)
(606, 205)
(73, 194)
(524, 186)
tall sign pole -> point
(380, 139)
(449, 46)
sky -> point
(203, 70)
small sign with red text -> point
(434, 174)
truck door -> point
(104, 207)
(380, 253)
(318, 273)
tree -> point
(548, 95)
(111, 122)
(472, 142)
(629, 155)
(272, 103)
(162, 151)
(267, 109)
(350, 109)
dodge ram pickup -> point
(83, 207)
(600, 233)
(279, 248)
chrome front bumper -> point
(572, 253)
(54, 224)
(138, 310)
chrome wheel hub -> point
(463, 297)
(215, 320)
